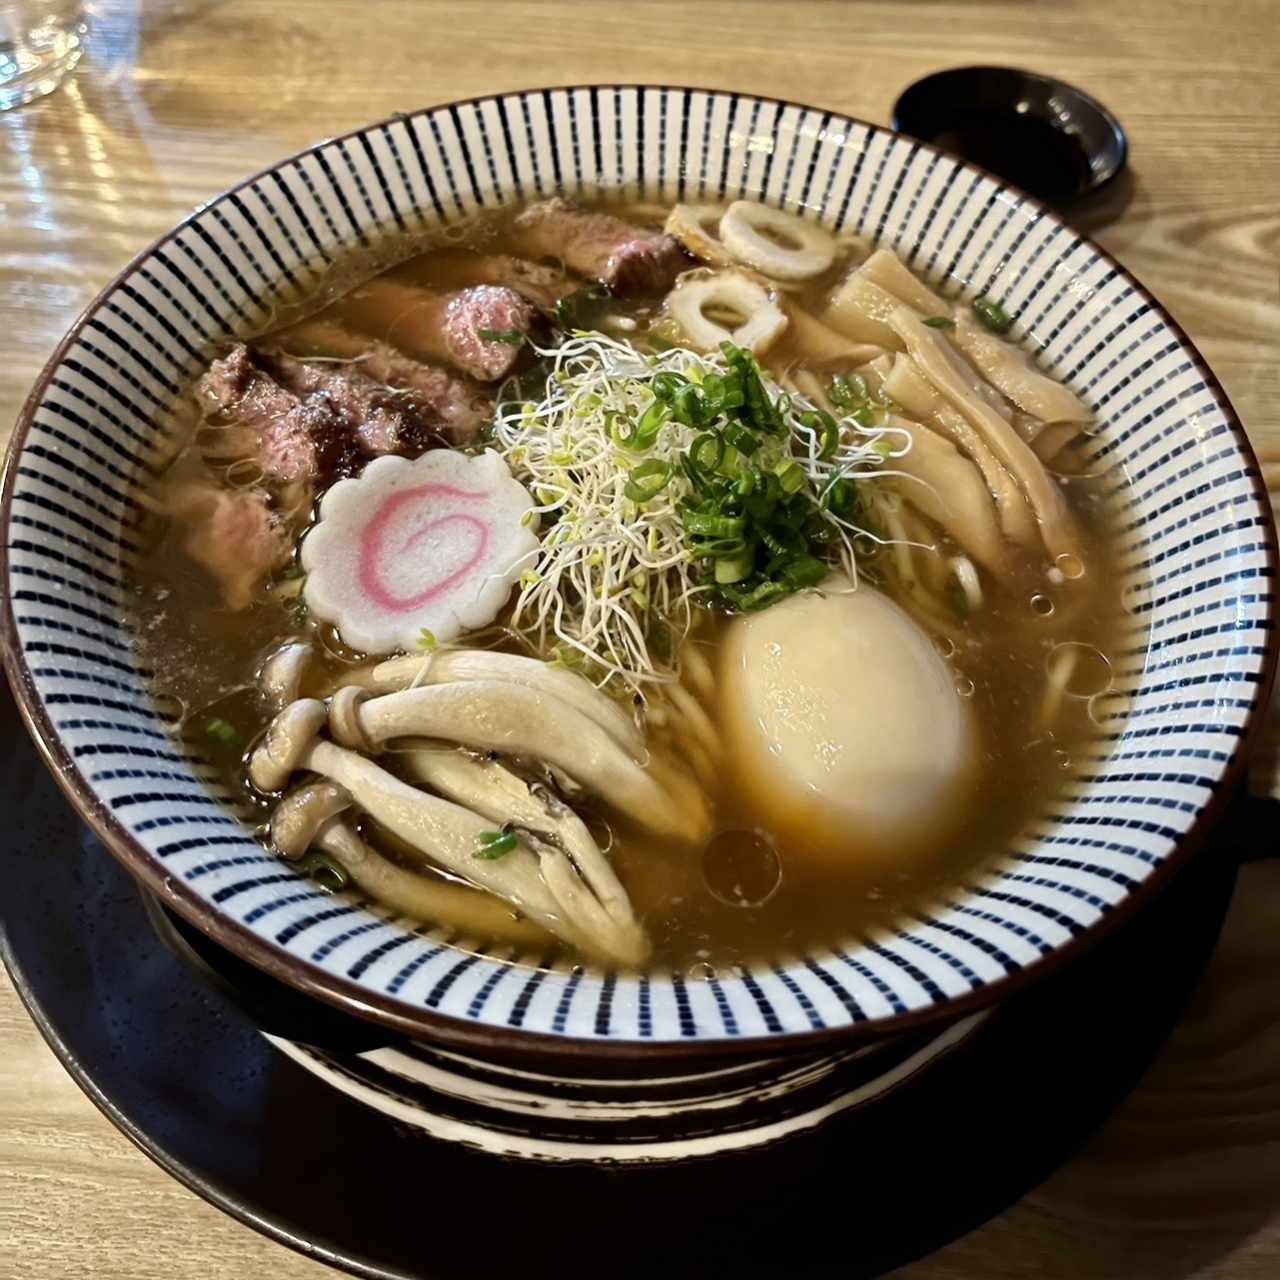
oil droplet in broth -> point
(741, 868)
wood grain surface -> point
(179, 98)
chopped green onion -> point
(223, 732)
(665, 385)
(648, 480)
(839, 496)
(745, 441)
(511, 337)
(709, 525)
(939, 322)
(791, 477)
(993, 315)
(830, 437)
(846, 392)
(583, 308)
(706, 453)
(492, 845)
(329, 875)
(804, 571)
(651, 422)
(734, 568)
(758, 597)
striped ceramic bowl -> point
(1198, 553)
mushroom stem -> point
(514, 720)
(467, 910)
(449, 666)
(449, 835)
(492, 790)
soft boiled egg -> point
(844, 725)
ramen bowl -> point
(1196, 550)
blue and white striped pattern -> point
(1197, 540)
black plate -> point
(187, 1077)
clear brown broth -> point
(205, 658)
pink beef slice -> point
(233, 535)
(628, 259)
(320, 421)
(432, 399)
(235, 389)
(449, 326)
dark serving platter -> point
(187, 1076)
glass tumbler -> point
(40, 41)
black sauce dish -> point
(1043, 135)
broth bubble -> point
(1083, 670)
(741, 868)
(1041, 604)
(1070, 566)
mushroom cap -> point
(297, 819)
(280, 676)
(287, 739)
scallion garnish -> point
(846, 392)
(223, 732)
(648, 480)
(939, 322)
(992, 314)
(298, 611)
(491, 845)
(329, 875)
(583, 308)
(758, 495)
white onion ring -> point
(741, 235)
(695, 290)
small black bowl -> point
(1040, 134)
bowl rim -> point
(447, 1029)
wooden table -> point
(179, 101)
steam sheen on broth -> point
(656, 586)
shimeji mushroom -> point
(309, 818)
(281, 674)
(492, 716)
(492, 790)
(449, 666)
(537, 878)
